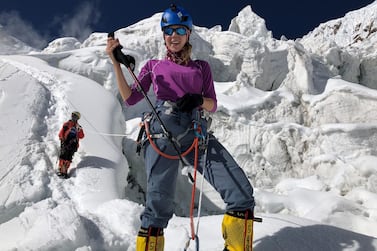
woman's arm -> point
(209, 94)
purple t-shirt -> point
(171, 81)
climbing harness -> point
(145, 135)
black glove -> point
(189, 101)
(127, 60)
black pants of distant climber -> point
(67, 150)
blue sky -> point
(39, 22)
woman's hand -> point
(111, 45)
(189, 102)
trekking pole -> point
(206, 140)
(129, 62)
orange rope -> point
(168, 156)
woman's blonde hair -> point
(186, 52)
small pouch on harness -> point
(140, 138)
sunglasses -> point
(179, 31)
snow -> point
(297, 116)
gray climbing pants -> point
(221, 171)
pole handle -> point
(127, 60)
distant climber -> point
(69, 136)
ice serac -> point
(249, 24)
(348, 45)
(62, 44)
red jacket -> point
(67, 126)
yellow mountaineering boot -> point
(237, 228)
(151, 239)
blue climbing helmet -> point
(176, 15)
